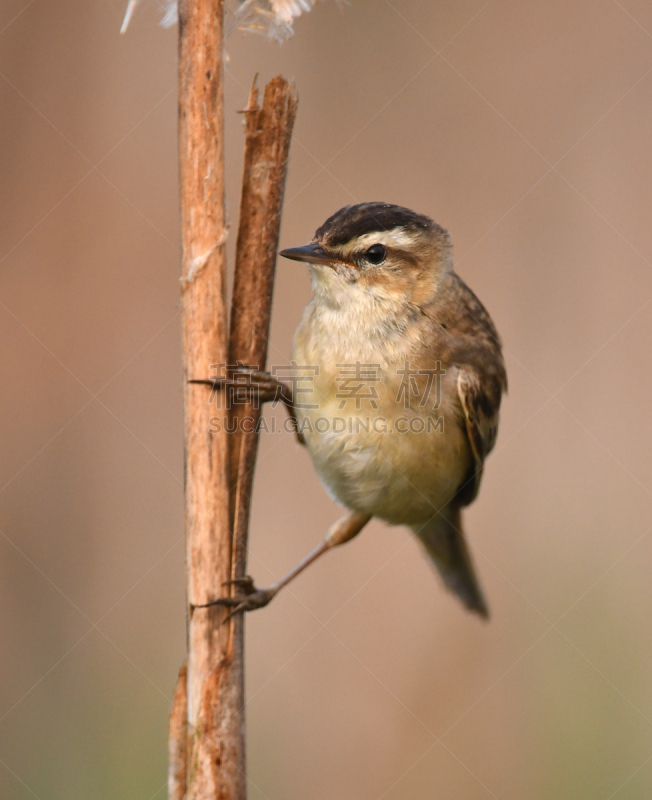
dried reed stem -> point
(267, 146)
(209, 763)
(178, 739)
(215, 735)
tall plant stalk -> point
(207, 741)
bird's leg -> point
(258, 385)
(251, 598)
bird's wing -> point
(464, 337)
(480, 401)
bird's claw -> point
(249, 600)
(239, 603)
(256, 387)
(259, 385)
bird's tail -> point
(444, 540)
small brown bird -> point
(397, 387)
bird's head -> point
(381, 250)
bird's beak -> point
(309, 254)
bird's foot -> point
(248, 599)
(249, 385)
(253, 384)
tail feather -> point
(444, 540)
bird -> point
(398, 375)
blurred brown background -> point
(524, 128)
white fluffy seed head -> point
(273, 18)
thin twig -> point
(267, 146)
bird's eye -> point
(376, 254)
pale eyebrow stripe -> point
(398, 237)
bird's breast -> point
(376, 450)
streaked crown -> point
(352, 222)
